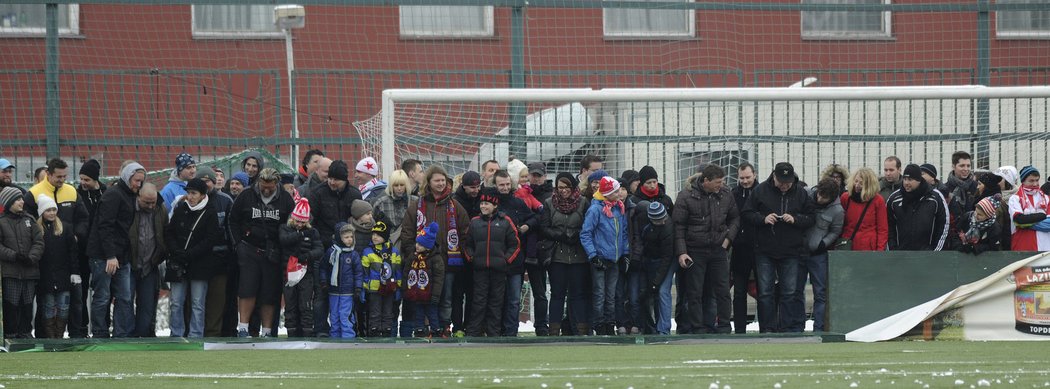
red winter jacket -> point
(874, 230)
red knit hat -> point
(608, 186)
(302, 210)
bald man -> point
(147, 251)
(317, 178)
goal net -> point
(678, 131)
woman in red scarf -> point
(437, 205)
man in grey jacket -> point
(819, 239)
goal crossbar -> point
(391, 97)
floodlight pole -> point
(294, 149)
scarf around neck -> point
(607, 205)
(455, 255)
(569, 204)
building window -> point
(234, 21)
(30, 19)
(439, 21)
(1023, 24)
(649, 22)
(846, 24)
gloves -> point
(625, 264)
(22, 258)
(821, 248)
(75, 279)
(597, 263)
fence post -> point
(51, 118)
(516, 129)
(984, 54)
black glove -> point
(821, 247)
(597, 263)
(625, 264)
(22, 258)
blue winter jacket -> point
(346, 265)
(603, 236)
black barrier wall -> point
(865, 287)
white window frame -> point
(1018, 34)
(885, 34)
(489, 29)
(73, 30)
(650, 34)
(277, 34)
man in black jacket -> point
(916, 215)
(706, 223)
(742, 261)
(330, 205)
(257, 214)
(108, 247)
(781, 212)
(90, 191)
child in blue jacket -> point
(341, 277)
(604, 238)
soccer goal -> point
(678, 130)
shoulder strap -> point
(862, 213)
(194, 228)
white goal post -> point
(975, 94)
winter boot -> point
(60, 328)
(583, 329)
(373, 332)
(554, 329)
(421, 333)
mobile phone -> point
(688, 263)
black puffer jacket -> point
(19, 234)
(471, 204)
(921, 224)
(703, 221)
(196, 251)
(109, 236)
(492, 242)
(59, 260)
(782, 239)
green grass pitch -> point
(901, 364)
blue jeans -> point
(105, 288)
(633, 295)
(603, 300)
(427, 313)
(663, 312)
(198, 290)
(781, 273)
(146, 289)
(816, 267)
(512, 305)
(56, 304)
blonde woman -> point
(395, 203)
(865, 222)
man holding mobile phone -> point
(706, 222)
(781, 211)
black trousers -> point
(711, 270)
(486, 315)
(742, 267)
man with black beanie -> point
(90, 191)
(916, 215)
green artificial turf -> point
(902, 364)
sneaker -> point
(636, 331)
(621, 330)
(264, 334)
(243, 333)
(459, 334)
(421, 333)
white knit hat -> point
(368, 166)
(44, 203)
